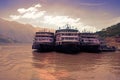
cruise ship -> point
(43, 41)
(89, 42)
(67, 39)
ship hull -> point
(43, 47)
(90, 48)
(106, 48)
(67, 48)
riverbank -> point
(112, 42)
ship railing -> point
(68, 41)
(67, 32)
(44, 35)
(70, 36)
(44, 41)
(63, 43)
(91, 43)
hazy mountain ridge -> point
(11, 31)
(4, 39)
(16, 32)
(111, 31)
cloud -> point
(31, 9)
(63, 20)
(33, 15)
(14, 17)
(38, 5)
(60, 20)
(29, 13)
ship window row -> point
(71, 31)
(69, 34)
(44, 33)
(90, 40)
(69, 38)
(44, 39)
(87, 37)
(66, 30)
(44, 36)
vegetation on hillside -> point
(110, 31)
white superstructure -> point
(44, 37)
(89, 39)
(67, 36)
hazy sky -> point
(91, 15)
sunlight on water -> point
(20, 62)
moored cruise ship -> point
(89, 42)
(67, 40)
(43, 41)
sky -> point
(89, 15)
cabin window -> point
(50, 39)
(82, 40)
(63, 38)
(76, 38)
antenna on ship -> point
(67, 25)
(84, 30)
(76, 28)
(59, 28)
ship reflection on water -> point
(48, 67)
(19, 62)
(85, 66)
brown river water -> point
(20, 62)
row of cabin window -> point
(44, 36)
(68, 31)
(89, 40)
(70, 38)
(44, 39)
(69, 34)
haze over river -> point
(20, 62)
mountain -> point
(4, 39)
(11, 31)
(110, 31)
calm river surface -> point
(20, 62)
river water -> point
(20, 62)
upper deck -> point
(44, 37)
(88, 35)
(89, 39)
(44, 34)
(67, 35)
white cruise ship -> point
(67, 40)
(89, 42)
(43, 41)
